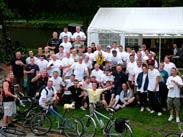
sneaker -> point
(148, 109)
(170, 118)
(159, 113)
(152, 111)
(82, 108)
(164, 109)
(142, 109)
(177, 119)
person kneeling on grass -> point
(125, 98)
(48, 95)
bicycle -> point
(23, 103)
(12, 131)
(122, 129)
(41, 124)
(176, 134)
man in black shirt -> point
(31, 70)
(119, 78)
(17, 66)
(54, 42)
(77, 94)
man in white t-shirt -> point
(174, 83)
(168, 65)
(65, 33)
(41, 62)
(79, 69)
(153, 88)
(98, 73)
(80, 33)
(66, 44)
(48, 95)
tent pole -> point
(159, 48)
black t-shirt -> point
(54, 43)
(42, 81)
(31, 75)
(17, 69)
(119, 78)
(75, 91)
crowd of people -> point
(67, 71)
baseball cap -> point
(108, 46)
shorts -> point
(173, 102)
(9, 108)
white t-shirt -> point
(42, 64)
(91, 56)
(67, 61)
(106, 78)
(28, 60)
(152, 75)
(136, 72)
(57, 82)
(116, 60)
(81, 34)
(54, 67)
(175, 90)
(68, 34)
(98, 74)
(46, 95)
(108, 56)
(67, 46)
(68, 83)
(88, 64)
(79, 70)
(130, 69)
(168, 67)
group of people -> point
(66, 71)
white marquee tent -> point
(138, 21)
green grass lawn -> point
(143, 124)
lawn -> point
(143, 124)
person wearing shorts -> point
(174, 83)
(8, 100)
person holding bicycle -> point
(48, 95)
(9, 97)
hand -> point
(32, 70)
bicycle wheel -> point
(2, 133)
(40, 124)
(127, 131)
(73, 127)
(24, 104)
(173, 135)
(89, 126)
(11, 131)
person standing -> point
(153, 88)
(8, 100)
(31, 70)
(162, 86)
(174, 83)
(17, 66)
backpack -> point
(120, 125)
(38, 94)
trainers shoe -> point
(142, 109)
(177, 119)
(170, 118)
(82, 108)
(148, 109)
(152, 111)
(159, 113)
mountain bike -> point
(113, 127)
(42, 124)
(12, 131)
(177, 134)
(23, 103)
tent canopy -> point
(138, 21)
